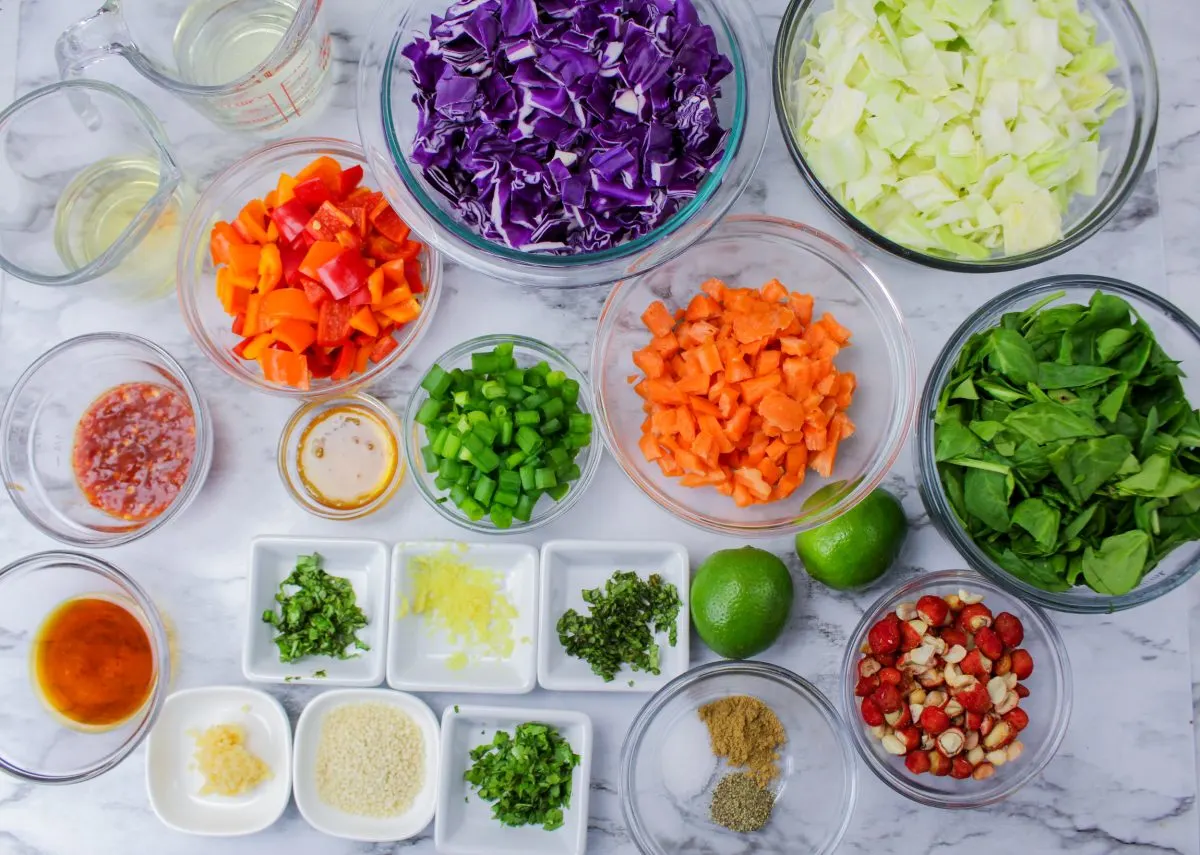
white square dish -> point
(569, 567)
(173, 782)
(417, 654)
(464, 823)
(337, 823)
(363, 562)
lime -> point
(740, 601)
(859, 546)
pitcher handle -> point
(96, 37)
(85, 42)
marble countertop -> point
(1125, 778)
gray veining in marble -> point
(1125, 778)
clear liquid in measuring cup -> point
(219, 41)
(100, 203)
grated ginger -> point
(466, 602)
(228, 767)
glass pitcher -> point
(79, 199)
(248, 65)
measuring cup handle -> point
(101, 35)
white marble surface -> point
(1125, 778)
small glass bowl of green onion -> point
(499, 434)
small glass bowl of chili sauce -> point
(340, 457)
(105, 439)
(87, 672)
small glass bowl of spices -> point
(87, 669)
(104, 439)
(748, 754)
(340, 457)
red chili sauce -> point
(133, 449)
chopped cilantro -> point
(527, 776)
(320, 673)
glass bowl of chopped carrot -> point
(297, 278)
(738, 380)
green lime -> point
(740, 601)
(859, 546)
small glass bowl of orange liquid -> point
(86, 673)
(340, 458)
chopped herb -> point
(619, 629)
(527, 776)
(456, 708)
(320, 618)
(631, 684)
(1067, 447)
(320, 673)
(292, 678)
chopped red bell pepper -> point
(291, 256)
(315, 291)
(383, 249)
(291, 218)
(327, 222)
(312, 193)
(345, 274)
(350, 179)
(389, 224)
(239, 324)
(349, 239)
(383, 346)
(344, 364)
(333, 323)
(361, 297)
(319, 362)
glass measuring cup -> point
(247, 65)
(79, 199)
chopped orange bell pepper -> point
(270, 268)
(325, 168)
(319, 253)
(243, 259)
(285, 367)
(223, 237)
(286, 303)
(285, 190)
(375, 285)
(364, 321)
(257, 345)
(298, 335)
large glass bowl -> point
(1128, 135)
(748, 251)
(37, 435)
(1179, 337)
(251, 178)
(1048, 704)
(387, 121)
(36, 744)
(527, 352)
(668, 770)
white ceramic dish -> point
(363, 562)
(417, 654)
(337, 823)
(571, 566)
(464, 822)
(173, 782)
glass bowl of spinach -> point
(1058, 443)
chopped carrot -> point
(740, 391)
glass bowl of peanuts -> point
(957, 693)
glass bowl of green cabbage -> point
(968, 135)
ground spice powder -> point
(741, 805)
(747, 733)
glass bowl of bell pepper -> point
(297, 278)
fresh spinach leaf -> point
(1040, 519)
(1117, 566)
(1052, 375)
(1012, 356)
(986, 494)
(1050, 421)
(1082, 467)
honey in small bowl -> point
(93, 662)
(347, 457)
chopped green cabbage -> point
(960, 128)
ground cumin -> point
(746, 732)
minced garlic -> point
(228, 767)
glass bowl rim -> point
(557, 359)
(905, 392)
(160, 644)
(1106, 207)
(632, 742)
(929, 483)
(1062, 676)
(289, 441)
(201, 459)
(192, 246)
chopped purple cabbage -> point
(567, 126)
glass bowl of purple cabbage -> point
(563, 143)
